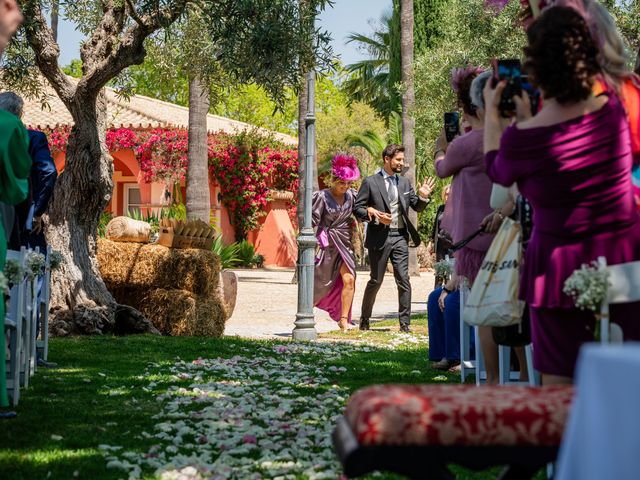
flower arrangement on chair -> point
(588, 288)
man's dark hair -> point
(391, 150)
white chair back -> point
(15, 325)
(624, 287)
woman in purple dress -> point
(335, 272)
(572, 161)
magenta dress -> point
(577, 177)
(468, 202)
(334, 224)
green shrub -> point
(105, 218)
(228, 253)
(246, 253)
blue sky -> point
(345, 17)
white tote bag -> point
(493, 300)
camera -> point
(532, 92)
(451, 125)
(511, 71)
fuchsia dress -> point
(334, 224)
(577, 177)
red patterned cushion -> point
(459, 415)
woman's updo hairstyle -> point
(461, 79)
(561, 55)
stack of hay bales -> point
(177, 289)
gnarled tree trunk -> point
(81, 302)
(82, 192)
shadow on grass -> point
(99, 396)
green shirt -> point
(15, 168)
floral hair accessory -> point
(345, 167)
(458, 75)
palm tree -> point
(408, 105)
(198, 195)
(371, 80)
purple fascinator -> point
(345, 167)
(458, 75)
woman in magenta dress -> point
(572, 161)
(335, 271)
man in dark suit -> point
(27, 228)
(384, 200)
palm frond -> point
(371, 141)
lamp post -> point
(305, 323)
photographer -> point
(466, 208)
(572, 161)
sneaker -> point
(44, 364)
(364, 324)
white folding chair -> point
(467, 365)
(42, 345)
(623, 287)
(15, 321)
(509, 377)
(32, 320)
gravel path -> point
(267, 302)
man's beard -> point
(397, 169)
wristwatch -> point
(445, 289)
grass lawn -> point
(149, 406)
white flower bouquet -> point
(13, 272)
(35, 264)
(55, 259)
(588, 288)
(444, 268)
(4, 284)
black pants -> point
(396, 249)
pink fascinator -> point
(345, 167)
(458, 75)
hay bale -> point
(125, 229)
(179, 313)
(148, 267)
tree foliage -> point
(469, 34)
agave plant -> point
(228, 253)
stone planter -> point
(281, 195)
(229, 282)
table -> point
(602, 437)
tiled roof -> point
(136, 112)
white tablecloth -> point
(602, 439)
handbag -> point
(493, 300)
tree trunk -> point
(55, 10)
(408, 104)
(81, 302)
(198, 196)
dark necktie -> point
(393, 189)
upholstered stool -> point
(417, 430)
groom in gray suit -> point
(384, 200)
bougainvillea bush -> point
(247, 165)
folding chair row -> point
(21, 326)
